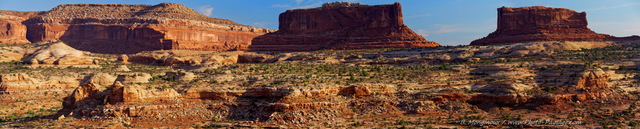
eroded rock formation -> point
(12, 31)
(132, 28)
(122, 93)
(57, 53)
(17, 81)
(341, 25)
(593, 79)
(34, 89)
(538, 23)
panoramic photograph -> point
(406, 64)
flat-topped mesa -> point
(341, 4)
(539, 23)
(108, 11)
(121, 28)
(341, 25)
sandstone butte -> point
(341, 25)
(121, 28)
(539, 23)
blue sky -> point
(448, 22)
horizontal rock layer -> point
(540, 23)
(135, 28)
(11, 30)
(341, 26)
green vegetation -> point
(309, 74)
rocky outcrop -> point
(502, 94)
(475, 53)
(134, 28)
(123, 58)
(122, 93)
(84, 96)
(25, 91)
(538, 23)
(100, 79)
(341, 25)
(267, 104)
(90, 92)
(12, 31)
(593, 79)
(189, 58)
(57, 53)
(17, 81)
(22, 82)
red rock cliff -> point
(12, 31)
(341, 25)
(119, 28)
(540, 23)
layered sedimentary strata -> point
(57, 53)
(12, 31)
(341, 25)
(19, 91)
(538, 23)
(17, 81)
(134, 28)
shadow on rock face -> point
(256, 104)
(113, 39)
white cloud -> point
(206, 10)
(298, 1)
(260, 24)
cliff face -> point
(135, 28)
(341, 26)
(11, 30)
(540, 23)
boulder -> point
(123, 58)
(501, 94)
